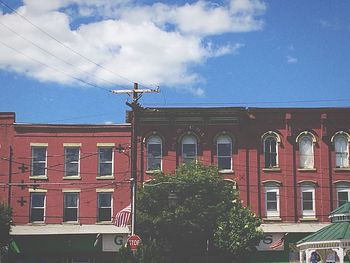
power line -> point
(64, 45)
(53, 68)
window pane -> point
(104, 214)
(343, 197)
(37, 215)
(153, 163)
(70, 214)
(271, 201)
(307, 201)
(38, 161)
(39, 154)
(224, 163)
(105, 169)
(306, 153)
(37, 200)
(105, 154)
(104, 200)
(70, 200)
(38, 169)
(341, 152)
(154, 150)
(72, 154)
(154, 153)
(224, 149)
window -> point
(71, 162)
(270, 152)
(154, 153)
(306, 151)
(308, 201)
(343, 194)
(224, 152)
(341, 146)
(272, 201)
(189, 148)
(71, 204)
(39, 156)
(37, 207)
(105, 161)
(104, 203)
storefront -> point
(68, 243)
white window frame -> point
(308, 189)
(272, 213)
(154, 140)
(189, 140)
(71, 162)
(341, 189)
(105, 162)
(224, 139)
(98, 206)
(344, 161)
(64, 206)
(33, 148)
(270, 137)
(302, 165)
(43, 207)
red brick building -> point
(290, 165)
(67, 183)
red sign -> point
(134, 241)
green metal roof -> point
(335, 231)
(344, 209)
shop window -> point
(71, 162)
(104, 203)
(39, 159)
(105, 161)
(154, 153)
(224, 152)
(189, 148)
(37, 207)
(71, 204)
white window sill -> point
(342, 169)
(272, 169)
(308, 219)
(39, 177)
(37, 223)
(226, 171)
(71, 178)
(106, 177)
(153, 171)
(272, 219)
(70, 223)
(104, 223)
(312, 170)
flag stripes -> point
(122, 217)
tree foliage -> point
(207, 206)
(5, 224)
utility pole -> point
(136, 94)
(10, 178)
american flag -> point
(279, 243)
(122, 217)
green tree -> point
(5, 227)
(206, 205)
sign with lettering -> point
(134, 241)
(113, 242)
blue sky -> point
(59, 58)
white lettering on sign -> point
(113, 242)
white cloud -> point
(291, 60)
(150, 44)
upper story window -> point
(341, 148)
(71, 161)
(71, 204)
(37, 207)
(308, 208)
(189, 148)
(154, 153)
(105, 161)
(306, 150)
(224, 152)
(39, 159)
(270, 142)
(272, 200)
(104, 206)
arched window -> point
(224, 152)
(306, 152)
(341, 147)
(271, 152)
(189, 148)
(154, 153)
